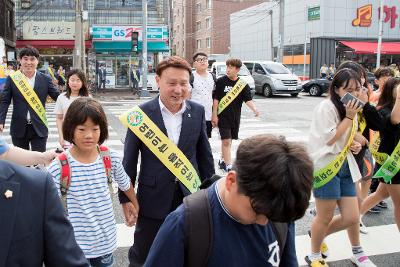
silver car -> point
(273, 78)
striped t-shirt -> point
(89, 204)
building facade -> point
(49, 25)
(7, 29)
(332, 32)
(203, 25)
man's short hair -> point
(383, 72)
(173, 62)
(29, 51)
(276, 175)
(78, 112)
(199, 54)
(235, 62)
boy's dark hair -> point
(386, 98)
(78, 112)
(174, 62)
(84, 90)
(360, 70)
(28, 51)
(235, 62)
(276, 175)
(199, 54)
(383, 72)
(343, 77)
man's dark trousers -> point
(146, 231)
(37, 143)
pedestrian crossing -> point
(383, 237)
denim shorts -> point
(341, 185)
(102, 261)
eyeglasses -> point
(202, 59)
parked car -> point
(273, 78)
(219, 69)
(316, 87)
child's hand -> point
(130, 213)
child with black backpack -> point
(83, 175)
(234, 222)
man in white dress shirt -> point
(159, 191)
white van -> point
(273, 78)
(219, 69)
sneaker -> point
(363, 228)
(324, 247)
(228, 168)
(316, 263)
(382, 205)
(374, 210)
(221, 164)
(362, 261)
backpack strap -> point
(106, 157)
(65, 177)
(280, 231)
(198, 229)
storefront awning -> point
(372, 47)
(116, 46)
(50, 43)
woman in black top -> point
(385, 119)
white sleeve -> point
(118, 172)
(325, 121)
(58, 108)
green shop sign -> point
(314, 13)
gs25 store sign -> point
(124, 33)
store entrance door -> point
(122, 71)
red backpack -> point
(65, 176)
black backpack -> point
(199, 227)
(191, 80)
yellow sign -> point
(364, 15)
(162, 147)
(231, 95)
(324, 175)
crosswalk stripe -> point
(379, 240)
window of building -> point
(130, 4)
(208, 23)
(198, 7)
(198, 25)
(198, 44)
(208, 42)
(208, 4)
